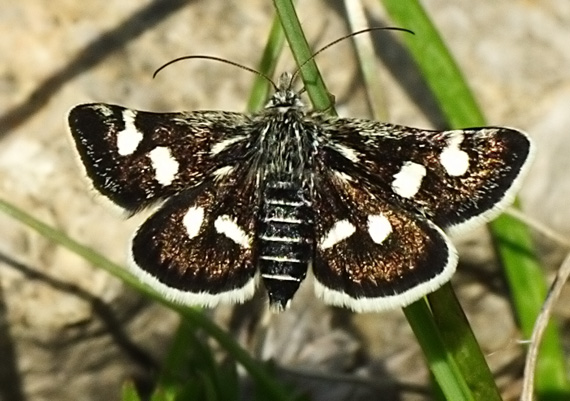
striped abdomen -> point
(285, 240)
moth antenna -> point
(214, 58)
(350, 35)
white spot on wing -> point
(506, 200)
(342, 176)
(347, 152)
(379, 227)
(223, 171)
(104, 109)
(340, 230)
(193, 220)
(408, 180)
(220, 146)
(165, 166)
(129, 138)
(227, 226)
(454, 160)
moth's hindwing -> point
(198, 247)
(372, 254)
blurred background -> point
(69, 331)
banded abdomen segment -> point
(285, 241)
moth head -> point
(285, 97)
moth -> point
(275, 195)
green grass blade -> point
(273, 49)
(436, 64)
(441, 361)
(528, 289)
(190, 368)
(367, 59)
(460, 340)
(512, 238)
(174, 368)
(129, 392)
(302, 53)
